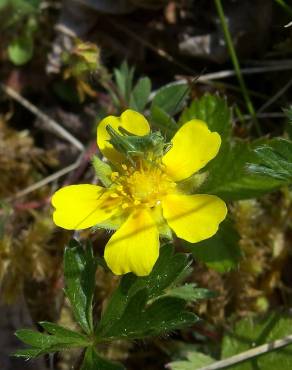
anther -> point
(114, 175)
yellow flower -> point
(145, 199)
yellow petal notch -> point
(194, 217)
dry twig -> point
(46, 180)
(251, 353)
(49, 122)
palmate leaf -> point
(139, 321)
(140, 306)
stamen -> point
(114, 176)
(143, 184)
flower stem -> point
(236, 64)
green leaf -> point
(138, 321)
(124, 80)
(275, 160)
(167, 270)
(20, 50)
(190, 292)
(250, 333)
(213, 110)
(229, 177)
(28, 353)
(66, 334)
(136, 308)
(23, 7)
(171, 98)
(163, 121)
(140, 94)
(92, 361)
(79, 270)
(195, 360)
(221, 252)
(44, 343)
(103, 171)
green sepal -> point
(103, 170)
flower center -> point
(146, 185)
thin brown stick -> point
(245, 71)
(251, 353)
(46, 180)
(275, 97)
(50, 123)
(247, 117)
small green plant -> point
(140, 187)
(19, 20)
(133, 312)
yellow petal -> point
(135, 246)
(193, 146)
(194, 217)
(130, 120)
(82, 206)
